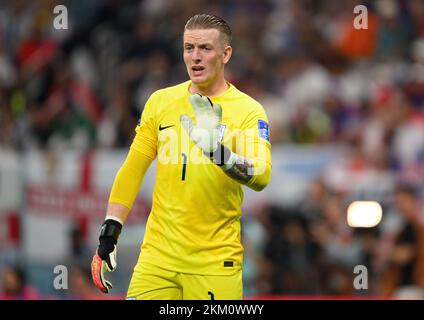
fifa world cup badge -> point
(263, 129)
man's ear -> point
(228, 50)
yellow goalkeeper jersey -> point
(194, 223)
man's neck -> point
(211, 91)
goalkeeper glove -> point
(205, 133)
(105, 256)
(208, 120)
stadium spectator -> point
(15, 286)
(406, 258)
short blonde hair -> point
(210, 21)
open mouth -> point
(197, 69)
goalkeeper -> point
(209, 140)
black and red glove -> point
(105, 257)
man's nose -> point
(196, 57)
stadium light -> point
(364, 214)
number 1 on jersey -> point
(183, 174)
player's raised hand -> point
(208, 121)
(105, 257)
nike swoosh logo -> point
(163, 128)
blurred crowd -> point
(310, 250)
(320, 80)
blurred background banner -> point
(346, 112)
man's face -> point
(204, 55)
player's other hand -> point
(105, 257)
(208, 116)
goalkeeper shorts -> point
(150, 282)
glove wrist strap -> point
(111, 228)
(230, 162)
(223, 157)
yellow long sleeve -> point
(129, 178)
